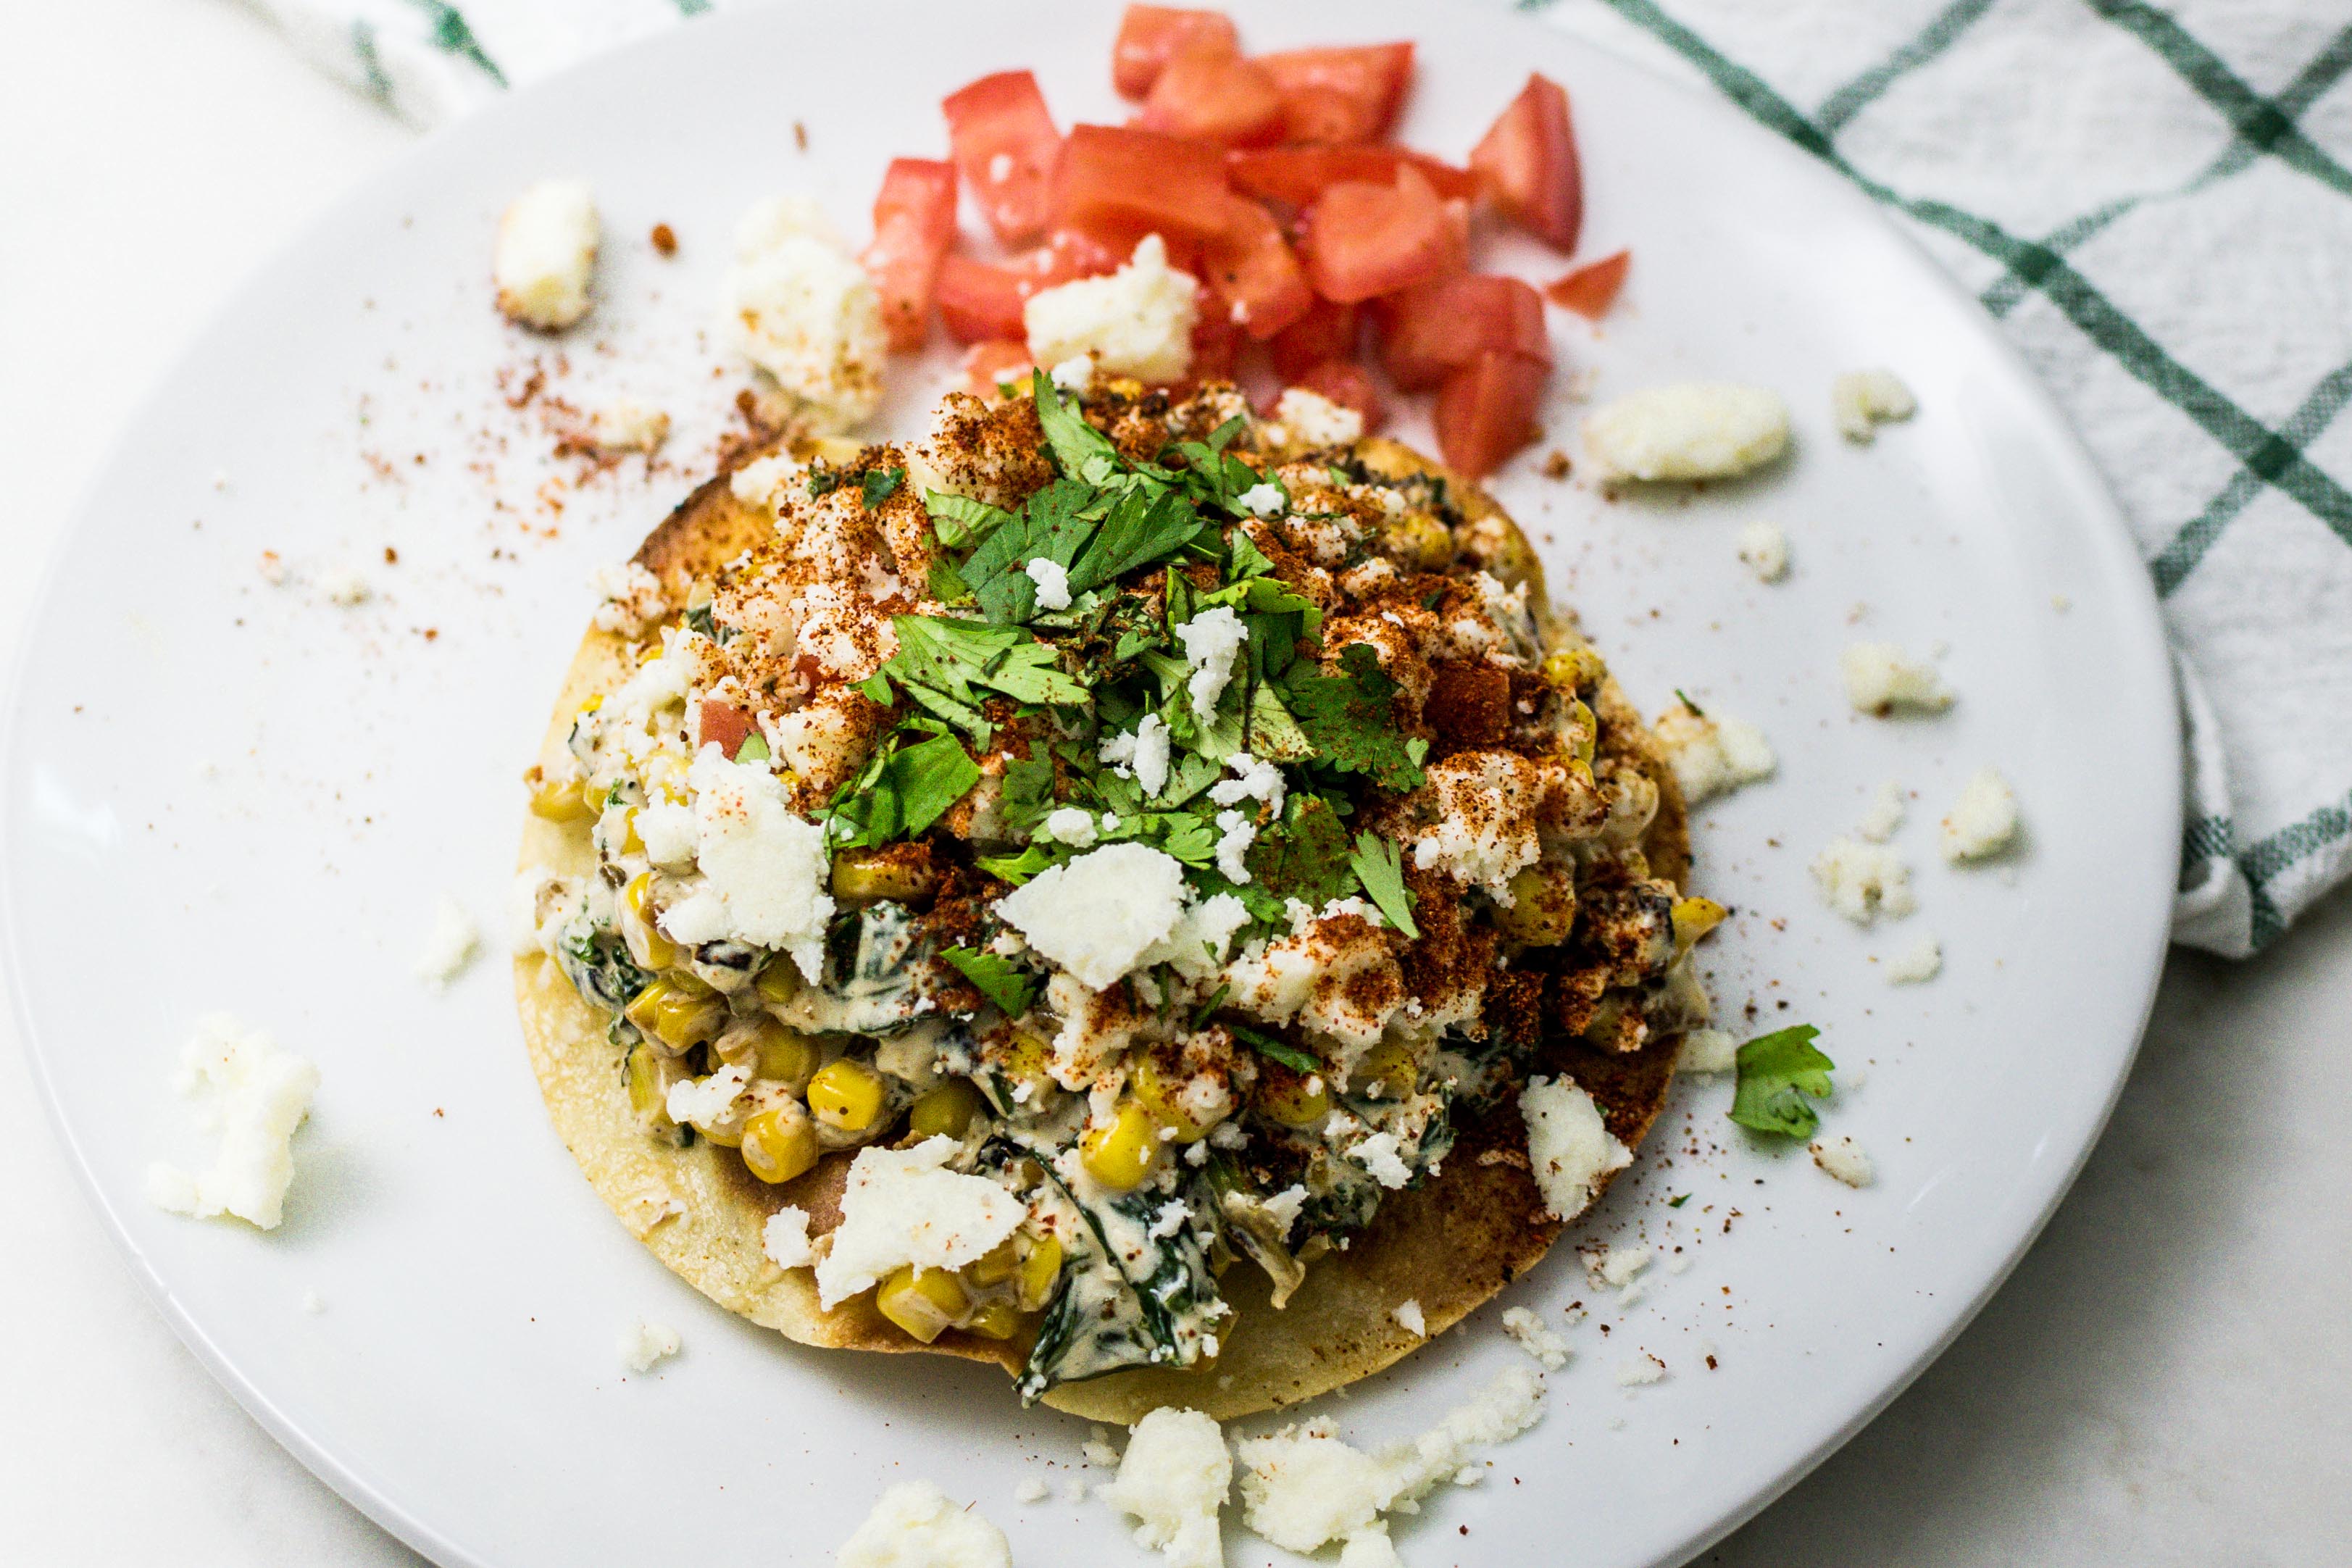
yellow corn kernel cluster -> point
(1420, 540)
(1387, 1071)
(1157, 1092)
(945, 1110)
(677, 1010)
(561, 801)
(846, 1095)
(648, 1091)
(1293, 1099)
(990, 1297)
(1574, 669)
(779, 1145)
(1694, 917)
(1542, 911)
(784, 1054)
(637, 899)
(926, 1302)
(1121, 1153)
(780, 982)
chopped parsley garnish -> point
(941, 662)
(1679, 1200)
(1777, 1071)
(822, 481)
(1350, 720)
(902, 793)
(1684, 698)
(1273, 1049)
(1380, 866)
(881, 484)
(998, 979)
(1208, 1010)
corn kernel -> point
(870, 877)
(562, 801)
(677, 1010)
(1586, 728)
(1027, 1058)
(660, 953)
(1387, 1071)
(648, 1093)
(1293, 1099)
(926, 1302)
(944, 1111)
(779, 1145)
(784, 1054)
(595, 701)
(1543, 905)
(1120, 1154)
(1573, 669)
(1694, 917)
(780, 982)
(847, 1094)
(1040, 1266)
(1159, 1096)
(995, 1321)
(1419, 540)
(997, 1265)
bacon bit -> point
(1591, 289)
(724, 724)
(664, 240)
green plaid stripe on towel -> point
(2155, 201)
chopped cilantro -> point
(881, 484)
(1017, 868)
(1304, 856)
(960, 521)
(754, 749)
(1380, 866)
(823, 481)
(1207, 1010)
(1268, 1046)
(1340, 478)
(1696, 711)
(1776, 1072)
(941, 662)
(1028, 793)
(1350, 720)
(911, 790)
(998, 979)
(1679, 1200)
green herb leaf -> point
(948, 585)
(960, 521)
(1028, 793)
(1380, 866)
(1017, 868)
(881, 484)
(1011, 988)
(1207, 1010)
(1679, 1200)
(1350, 720)
(917, 785)
(1304, 856)
(823, 481)
(942, 661)
(1776, 1072)
(1056, 524)
(1081, 451)
(1141, 529)
(754, 748)
(1696, 711)
(1268, 1046)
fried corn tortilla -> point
(1451, 1244)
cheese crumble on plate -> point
(253, 1095)
(545, 254)
(1984, 821)
(1698, 430)
(916, 1525)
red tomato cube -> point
(1115, 179)
(724, 725)
(1251, 265)
(1327, 332)
(1526, 161)
(1217, 340)
(1331, 97)
(1006, 146)
(1488, 410)
(1212, 94)
(914, 220)
(1591, 289)
(1362, 240)
(986, 366)
(1151, 35)
(1298, 175)
(979, 301)
(1345, 381)
(1435, 330)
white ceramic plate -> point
(461, 1384)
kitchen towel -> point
(2153, 202)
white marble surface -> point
(2163, 1382)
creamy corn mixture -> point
(1163, 829)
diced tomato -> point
(1331, 97)
(1114, 178)
(1251, 265)
(1435, 330)
(1151, 35)
(1488, 410)
(914, 220)
(1216, 338)
(725, 726)
(1211, 93)
(1345, 381)
(1361, 239)
(979, 301)
(1591, 289)
(1327, 332)
(1071, 253)
(1527, 163)
(1004, 144)
(985, 364)
(1299, 175)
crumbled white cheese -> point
(1052, 579)
(344, 586)
(450, 945)
(1880, 677)
(707, 1100)
(670, 833)
(1410, 1318)
(1196, 948)
(1884, 816)
(1098, 1449)
(545, 252)
(1237, 833)
(1916, 964)
(1486, 829)
(1261, 500)
(1619, 1267)
(1172, 1482)
(1861, 400)
(254, 1095)
(629, 599)
(1707, 1051)
(1136, 322)
(1862, 881)
(1070, 824)
(916, 1525)
(1637, 1369)
(1141, 754)
(644, 1342)
(1843, 1158)
(1570, 1148)
(1765, 549)
(1253, 780)
(625, 425)
(904, 1205)
(1983, 821)
(1031, 1490)
(1311, 420)
(1073, 376)
(1211, 640)
(800, 309)
(1302, 1488)
(1097, 915)
(1370, 1548)
(1713, 754)
(1380, 1154)
(1698, 430)
(785, 1239)
(1543, 1343)
(765, 872)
